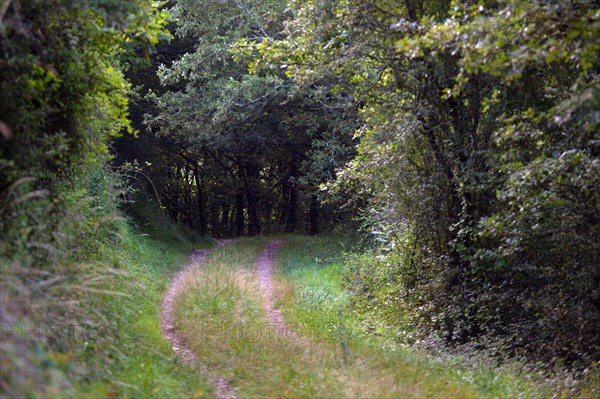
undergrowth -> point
(81, 294)
(321, 299)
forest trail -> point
(222, 315)
(223, 389)
(269, 318)
(264, 266)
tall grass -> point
(141, 363)
(84, 322)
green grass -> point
(112, 295)
(314, 266)
(222, 319)
(220, 314)
(140, 363)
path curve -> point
(264, 266)
(223, 388)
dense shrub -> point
(479, 138)
(62, 98)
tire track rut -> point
(223, 389)
(264, 266)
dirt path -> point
(223, 389)
(264, 266)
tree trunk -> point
(225, 219)
(214, 220)
(313, 215)
(252, 171)
(292, 217)
(239, 214)
(201, 208)
(188, 197)
(285, 196)
(253, 219)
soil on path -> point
(264, 266)
(223, 389)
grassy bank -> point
(142, 363)
(315, 267)
(111, 345)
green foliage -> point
(63, 97)
(477, 160)
(474, 133)
(246, 150)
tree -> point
(63, 98)
(479, 124)
(249, 135)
